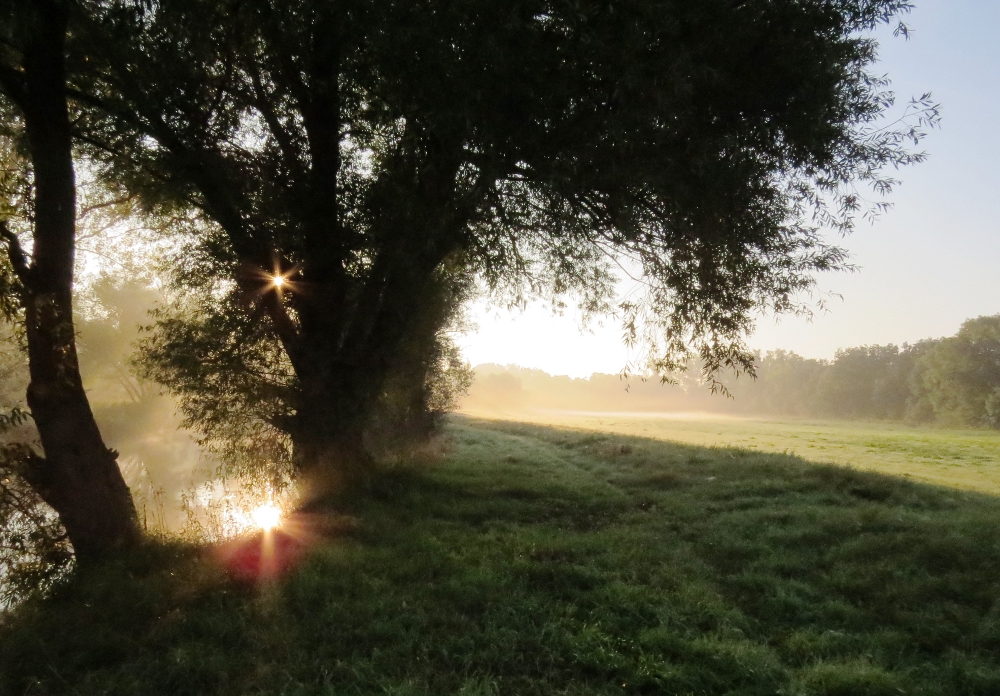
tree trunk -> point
(341, 389)
(79, 475)
(329, 427)
(330, 462)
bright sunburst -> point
(278, 280)
(266, 516)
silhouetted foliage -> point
(373, 151)
(34, 548)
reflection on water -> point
(176, 486)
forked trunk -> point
(341, 393)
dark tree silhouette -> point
(373, 151)
(78, 475)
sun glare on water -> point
(267, 516)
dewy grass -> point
(537, 560)
(966, 459)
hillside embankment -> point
(551, 560)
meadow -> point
(539, 559)
(962, 458)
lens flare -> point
(267, 516)
(278, 280)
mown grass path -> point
(536, 560)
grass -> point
(966, 459)
(540, 560)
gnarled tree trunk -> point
(341, 382)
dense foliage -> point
(952, 381)
(34, 549)
(376, 153)
(959, 379)
(867, 382)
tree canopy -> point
(380, 156)
(959, 378)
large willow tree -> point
(379, 153)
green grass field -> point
(541, 560)
(966, 459)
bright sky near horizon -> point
(927, 265)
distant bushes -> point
(952, 381)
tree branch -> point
(12, 82)
(259, 98)
(18, 259)
(88, 209)
(201, 167)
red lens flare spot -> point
(262, 556)
(269, 554)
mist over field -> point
(160, 460)
(952, 382)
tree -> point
(369, 153)
(867, 382)
(78, 475)
(786, 384)
(959, 377)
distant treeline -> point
(951, 381)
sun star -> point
(278, 280)
(266, 516)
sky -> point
(925, 266)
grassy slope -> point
(544, 561)
(967, 459)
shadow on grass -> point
(536, 560)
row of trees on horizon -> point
(953, 381)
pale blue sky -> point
(926, 266)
